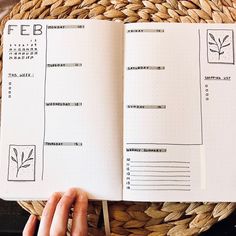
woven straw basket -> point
(152, 219)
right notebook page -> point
(179, 112)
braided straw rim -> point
(152, 219)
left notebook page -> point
(61, 120)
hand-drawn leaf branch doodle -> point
(218, 45)
(23, 163)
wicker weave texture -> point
(151, 219)
(136, 219)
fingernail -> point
(55, 197)
(70, 193)
(84, 196)
(33, 218)
(49, 199)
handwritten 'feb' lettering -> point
(35, 29)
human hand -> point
(56, 213)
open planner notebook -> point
(141, 111)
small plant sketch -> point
(21, 166)
(220, 46)
(20, 160)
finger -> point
(60, 219)
(30, 226)
(48, 213)
(79, 222)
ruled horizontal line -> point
(181, 162)
(185, 167)
(181, 144)
(63, 144)
(146, 189)
(161, 171)
(64, 65)
(171, 176)
(146, 106)
(162, 180)
(163, 185)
